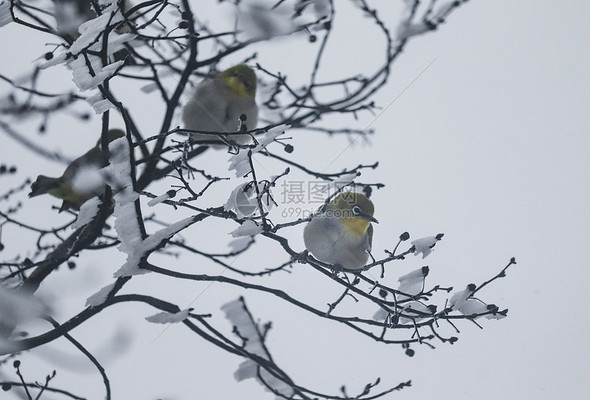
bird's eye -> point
(356, 210)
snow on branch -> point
(425, 245)
(249, 331)
(240, 163)
(168, 318)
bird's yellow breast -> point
(65, 192)
(356, 225)
(236, 86)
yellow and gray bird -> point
(220, 104)
(342, 233)
(78, 183)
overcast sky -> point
(490, 145)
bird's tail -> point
(43, 184)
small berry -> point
(410, 352)
(48, 56)
(71, 265)
(6, 387)
(312, 38)
(171, 193)
(289, 148)
(183, 25)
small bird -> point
(70, 14)
(83, 168)
(342, 233)
(222, 104)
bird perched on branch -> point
(224, 104)
(342, 233)
(80, 181)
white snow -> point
(155, 239)
(158, 200)
(380, 315)
(475, 306)
(412, 283)
(236, 313)
(92, 29)
(413, 305)
(240, 162)
(239, 244)
(168, 318)
(88, 211)
(248, 228)
(424, 245)
(57, 59)
(81, 72)
(88, 180)
(99, 297)
(243, 200)
(126, 224)
(459, 298)
(92, 38)
(99, 103)
(409, 29)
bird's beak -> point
(369, 218)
